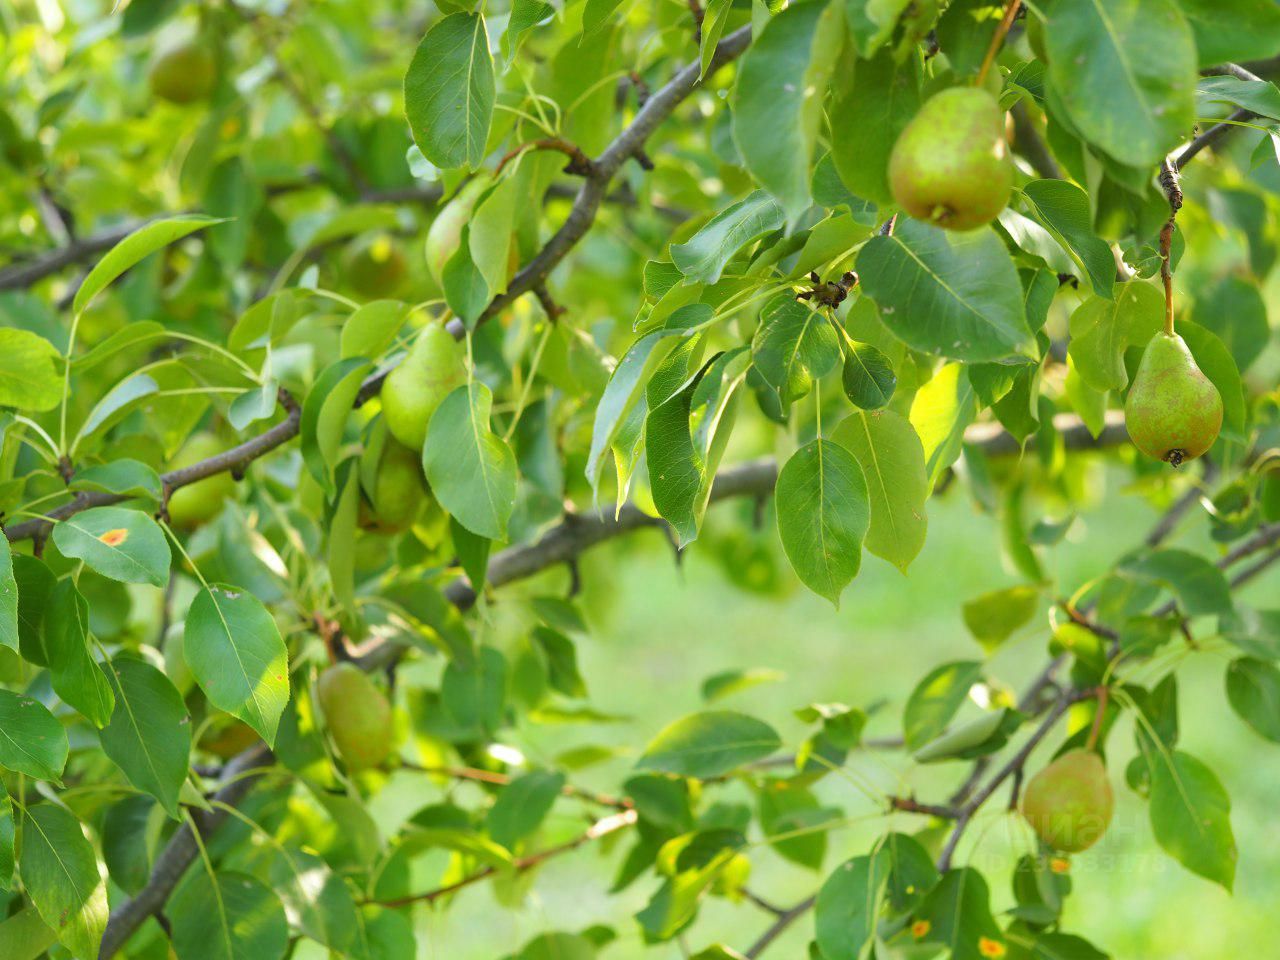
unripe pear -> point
(445, 232)
(434, 368)
(184, 74)
(398, 490)
(1173, 411)
(357, 715)
(1069, 802)
(375, 268)
(198, 502)
(951, 165)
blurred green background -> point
(659, 629)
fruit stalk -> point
(1010, 13)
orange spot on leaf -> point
(991, 948)
(113, 538)
(920, 928)
(1059, 865)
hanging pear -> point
(951, 165)
(1173, 411)
(434, 367)
(357, 715)
(1069, 802)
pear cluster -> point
(1173, 411)
(1069, 803)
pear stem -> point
(1010, 12)
(1166, 275)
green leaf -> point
(777, 99)
(29, 378)
(1260, 96)
(324, 417)
(848, 906)
(1191, 816)
(557, 946)
(703, 257)
(892, 459)
(449, 92)
(1234, 311)
(562, 661)
(472, 470)
(522, 806)
(709, 744)
(954, 294)
(32, 741)
(74, 674)
(726, 684)
(632, 373)
(372, 328)
(682, 460)
(868, 376)
(7, 848)
(120, 544)
(1253, 690)
(1215, 360)
(24, 936)
(713, 23)
(1125, 72)
(824, 512)
(8, 598)
(1101, 331)
(1256, 632)
(1063, 208)
(129, 478)
(790, 816)
(935, 700)
(1198, 585)
(940, 412)
(976, 738)
(525, 15)
(234, 650)
(875, 99)
(793, 346)
(231, 917)
(317, 900)
(1232, 30)
(149, 736)
(958, 914)
(871, 22)
(36, 583)
(60, 873)
(143, 242)
(993, 617)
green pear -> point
(198, 502)
(446, 229)
(1069, 802)
(375, 267)
(434, 368)
(1173, 411)
(951, 165)
(184, 74)
(398, 490)
(357, 715)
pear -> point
(1173, 411)
(1069, 802)
(398, 490)
(184, 74)
(951, 165)
(198, 502)
(357, 714)
(375, 268)
(446, 229)
(434, 368)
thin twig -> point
(1010, 12)
(600, 828)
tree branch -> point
(180, 852)
(601, 828)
